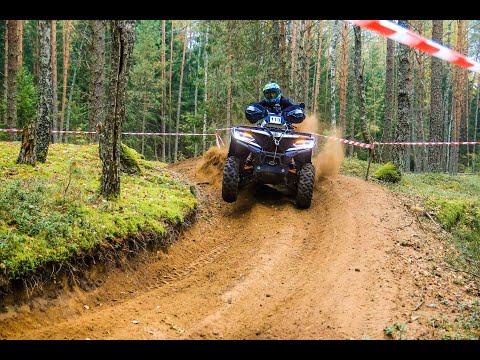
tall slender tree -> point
(389, 100)
(343, 79)
(205, 96)
(13, 51)
(20, 43)
(123, 38)
(360, 85)
(458, 88)
(163, 92)
(54, 79)
(333, 85)
(317, 68)
(179, 103)
(402, 131)
(96, 100)
(66, 29)
(436, 103)
(5, 71)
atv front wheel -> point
(230, 179)
(306, 181)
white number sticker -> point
(275, 120)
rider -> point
(273, 101)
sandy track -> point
(256, 269)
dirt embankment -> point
(354, 263)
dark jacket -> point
(257, 111)
(284, 103)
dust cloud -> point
(331, 154)
(210, 168)
(329, 159)
(309, 125)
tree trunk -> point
(27, 153)
(333, 85)
(436, 105)
(20, 43)
(474, 160)
(283, 53)
(72, 87)
(389, 101)
(205, 98)
(420, 151)
(196, 92)
(458, 89)
(179, 103)
(66, 60)
(360, 86)
(402, 130)
(447, 114)
(308, 42)
(294, 56)
(327, 67)
(317, 69)
(45, 92)
(170, 94)
(36, 60)
(96, 101)
(54, 79)
(164, 90)
(230, 27)
(13, 48)
(123, 37)
(144, 116)
(343, 79)
(5, 72)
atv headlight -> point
(245, 136)
(303, 143)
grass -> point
(53, 214)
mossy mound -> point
(129, 160)
(389, 173)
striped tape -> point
(124, 133)
(431, 143)
(219, 140)
(345, 141)
(407, 37)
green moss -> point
(53, 213)
(389, 173)
(129, 160)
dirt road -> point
(354, 263)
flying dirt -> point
(260, 268)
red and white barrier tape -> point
(124, 133)
(220, 142)
(349, 142)
(430, 143)
(414, 40)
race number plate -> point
(275, 120)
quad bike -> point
(270, 153)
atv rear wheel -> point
(306, 181)
(230, 179)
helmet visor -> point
(271, 95)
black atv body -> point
(270, 153)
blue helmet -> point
(272, 92)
